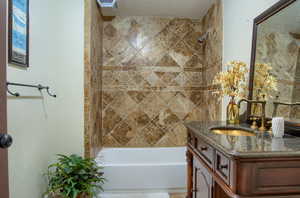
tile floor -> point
(177, 195)
(142, 195)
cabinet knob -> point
(203, 148)
(5, 140)
(224, 166)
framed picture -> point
(18, 35)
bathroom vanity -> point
(235, 161)
(243, 164)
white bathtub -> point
(144, 169)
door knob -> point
(5, 140)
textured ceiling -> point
(176, 8)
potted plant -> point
(74, 177)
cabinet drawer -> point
(269, 177)
(223, 167)
(206, 151)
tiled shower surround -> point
(157, 76)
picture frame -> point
(18, 33)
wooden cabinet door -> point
(202, 181)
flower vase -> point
(256, 109)
(232, 112)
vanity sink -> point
(232, 132)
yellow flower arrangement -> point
(264, 82)
(232, 81)
(233, 84)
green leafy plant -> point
(73, 176)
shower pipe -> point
(39, 87)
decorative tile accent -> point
(179, 134)
(164, 141)
(123, 133)
(157, 76)
(138, 60)
(112, 37)
(191, 39)
(154, 51)
(181, 106)
(182, 53)
(139, 80)
(195, 62)
(167, 61)
(123, 104)
(152, 134)
(122, 52)
(139, 118)
(138, 141)
(134, 37)
(107, 98)
(138, 96)
(152, 78)
(153, 105)
(110, 120)
(109, 78)
(166, 96)
(194, 96)
(168, 78)
(166, 119)
(110, 141)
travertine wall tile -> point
(157, 76)
(92, 79)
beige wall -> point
(238, 27)
(44, 126)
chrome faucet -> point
(263, 113)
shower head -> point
(108, 7)
(107, 3)
(203, 38)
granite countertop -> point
(260, 145)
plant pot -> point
(58, 196)
(232, 112)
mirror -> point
(276, 43)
